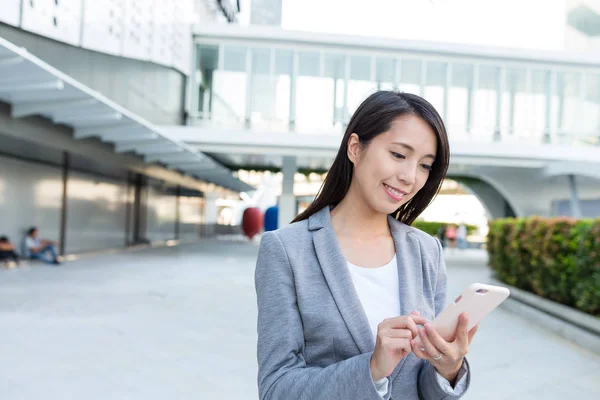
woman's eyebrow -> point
(410, 148)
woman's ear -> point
(354, 148)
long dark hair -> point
(373, 117)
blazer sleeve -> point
(282, 370)
(431, 385)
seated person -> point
(7, 251)
(40, 249)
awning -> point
(33, 87)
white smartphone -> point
(478, 300)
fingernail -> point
(428, 326)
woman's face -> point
(395, 165)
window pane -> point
(540, 85)
(458, 99)
(411, 76)
(485, 101)
(234, 59)
(314, 104)
(208, 57)
(514, 105)
(335, 65)
(385, 70)
(309, 64)
(435, 85)
(283, 62)
(360, 68)
(592, 104)
(567, 102)
(261, 60)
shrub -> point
(557, 258)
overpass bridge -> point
(524, 125)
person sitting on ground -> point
(40, 249)
(7, 251)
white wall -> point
(30, 195)
(149, 30)
(10, 12)
(59, 20)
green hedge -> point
(433, 227)
(556, 258)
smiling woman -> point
(401, 141)
(344, 291)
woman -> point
(343, 290)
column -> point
(211, 212)
(287, 201)
(575, 208)
(293, 82)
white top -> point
(379, 292)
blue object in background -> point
(271, 218)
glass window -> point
(436, 85)
(335, 66)
(360, 68)
(485, 101)
(537, 119)
(234, 59)
(410, 80)
(385, 70)
(208, 57)
(283, 62)
(261, 61)
(566, 102)
(309, 64)
(459, 99)
(514, 103)
(592, 104)
(314, 104)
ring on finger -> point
(438, 357)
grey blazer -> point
(314, 339)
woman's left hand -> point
(446, 357)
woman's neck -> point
(353, 217)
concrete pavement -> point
(180, 323)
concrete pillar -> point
(211, 212)
(287, 201)
(575, 208)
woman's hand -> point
(446, 357)
(393, 343)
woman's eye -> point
(427, 167)
(397, 155)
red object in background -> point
(252, 221)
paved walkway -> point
(179, 323)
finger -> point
(472, 332)
(430, 349)
(436, 340)
(418, 320)
(462, 334)
(401, 323)
(396, 344)
(398, 333)
(417, 351)
(415, 312)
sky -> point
(537, 24)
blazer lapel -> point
(409, 272)
(337, 275)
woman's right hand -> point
(393, 343)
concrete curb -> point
(574, 326)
